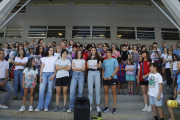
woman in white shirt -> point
(63, 66)
(20, 63)
(167, 60)
(174, 70)
(47, 77)
(78, 66)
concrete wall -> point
(113, 16)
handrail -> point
(166, 15)
(14, 14)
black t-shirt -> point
(89, 58)
(124, 55)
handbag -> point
(145, 79)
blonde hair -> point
(57, 48)
(131, 61)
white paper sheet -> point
(92, 64)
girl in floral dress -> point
(29, 81)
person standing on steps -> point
(63, 66)
(78, 67)
(94, 77)
(109, 70)
(47, 77)
(3, 80)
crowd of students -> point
(72, 64)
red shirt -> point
(107, 57)
(85, 56)
(146, 69)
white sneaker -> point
(164, 82)
(30, 108)
(90, 108)
(149, 109)
(37, 110)
(70, 110)
(145, 109)
(22, 109)
(45, 109)
(98, 109)
(167, 88)
(3, 106)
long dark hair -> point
(46, 53)
(147, 54)
(76, 55)
(23, 53)
(96, 54)
(175, 56)
(37, 50)
(29, 64)
(19, 45)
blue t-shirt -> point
(177, 52)
(178, 82)
(109, 66)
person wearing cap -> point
(31, 51)
(3, 80)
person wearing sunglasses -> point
(103, 52)
(167, 60)
(115, 53)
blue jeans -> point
(18, 76)
(77, 78)
(94, 77)
(8, 87)
(135, 65)
(45, 76)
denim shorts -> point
(154, 101)
(174, 72)
(163, 65)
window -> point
(145, 33)
(82, 3)
(81, 32)
(126, 33)
(2, 32)
(170, 34)
(14, 31)
(19, 5)
(56, 32)
(47, 32)
(100, 32)
(125, 4)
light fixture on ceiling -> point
(43, 34)
(60, 34)
(101, 35)
(119, 35)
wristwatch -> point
(111, 77)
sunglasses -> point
(169, 50)
(104, 46)
(113, 46)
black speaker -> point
(81, 108)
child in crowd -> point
(155, 91)
(121, 75)
(174, 70)
(130, 75)
(124, 53)
(29, 81)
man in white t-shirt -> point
(4, 69)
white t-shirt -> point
(62, 73)
(30, 75)
(4, 66)
(175, 65)
(19, 60)
(57, 55)
(168, 64)
(154, 80)
(78, 63)
(49, 63)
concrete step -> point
(51, 115)
(119, 97)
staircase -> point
(128, 107)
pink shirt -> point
(116, 54)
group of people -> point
(71, 65)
